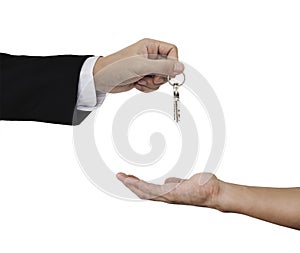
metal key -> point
(176, 102)
(176, 98)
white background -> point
(248, 50)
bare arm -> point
(277, 205)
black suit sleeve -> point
(39, 88)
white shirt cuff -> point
(88, 99)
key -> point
(176, 102)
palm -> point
(199, 190)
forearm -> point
(276, 205)
(39, 88)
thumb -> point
(165, 67)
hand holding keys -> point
(176, 97)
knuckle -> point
(175, 47)
(145, 40)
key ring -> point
(178, 84)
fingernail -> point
(121, 176)
(158, 80)
(142, 82)
(178, 68)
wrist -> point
(231, 197)
(100, 63)
(218, 196)
(215, 191)
(104, 61)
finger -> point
(155, 47)
(168, 49)
(123, 88)
(132, 176)
(122, 176)
(154, 79)
(159, 80)
(126, 179)
(136, 191)
(174, 180)
(131, 183)
(152, 191)
(152, 49)
(145, 190)
(164, 67)
(144, 89)
(149, 83)
(146, 195)
(143, 195)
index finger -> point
(156, 47)
(170, 50)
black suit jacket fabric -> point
(36, 88)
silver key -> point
(176, 98)
(176, 102)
